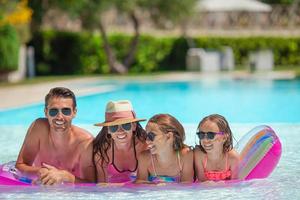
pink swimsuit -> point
(120, 176)
(217, 175)
(115, 176)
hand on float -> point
(137, 181)
(110, 184)
(161, 184)
(50, 175)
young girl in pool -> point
(214, 158)
(167, 159)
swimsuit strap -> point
(204, 162)
(113, 158)
(179, 164)
(226, 162)
(153, 165)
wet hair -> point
(223, 126)
(168, 123)
(60, 92)
(103, 142)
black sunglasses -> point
(125, 127)
(54, 111)
(209, 135)
(150, 136)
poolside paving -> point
(15, 96)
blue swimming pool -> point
(245, 103)
(241, 101)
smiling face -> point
(160, 139)
(61, 122)
(122, 134)
(215, 144)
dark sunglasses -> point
(54, 111)
(125, 127)
(150, 136)
(208, 135)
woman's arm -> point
(101, 170)
(142, 171)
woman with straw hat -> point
(118, 144)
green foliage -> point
(9, 48)
(175, 58)
(278, 1)
(75, 53)
(150, 53)
(286, 50)
(173, 11)
(73, 7)
(68, 53)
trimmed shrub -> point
(62, 53)
(83, 53)
(9, 48)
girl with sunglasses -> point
(118, 144)
(214, 157)
(167, 159)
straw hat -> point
(119, 112)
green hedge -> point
(9, 48)
(68, 53)
(286, 50)
(83, 53)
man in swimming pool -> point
(54, 150)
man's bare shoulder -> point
(82, 134)
(39, 127)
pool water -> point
(240, 101)
(245, 104)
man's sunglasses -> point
(54, 111)
(208, 135)
(115, 128)
(150, 136)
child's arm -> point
(234, 159)
(199, 170)
(187, 175)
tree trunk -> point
(115, 66)
(134, 42)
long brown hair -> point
(168, 123)
(223, 126)
(103, 142)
